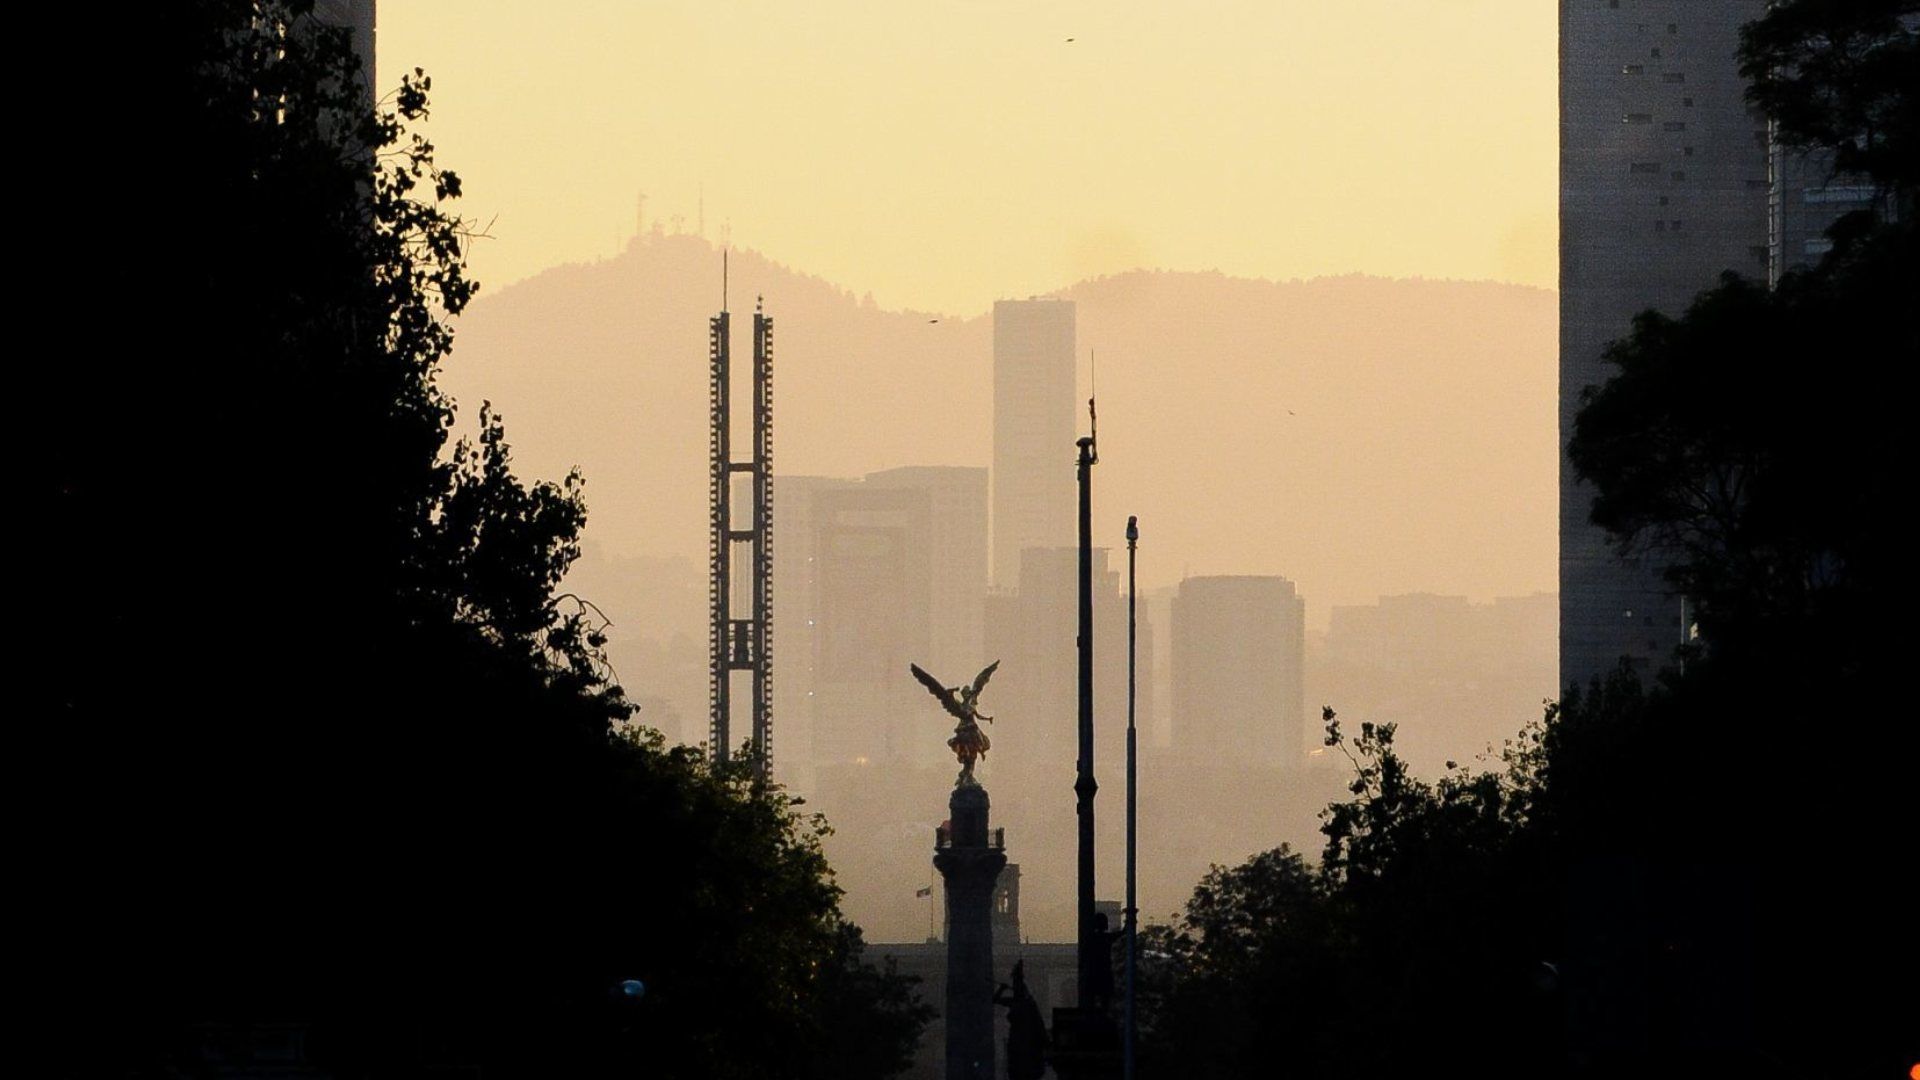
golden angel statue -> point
(969, 743)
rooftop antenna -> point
(723, 280)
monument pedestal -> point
(1086, 1045)
(969, 859)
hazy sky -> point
(942, 154)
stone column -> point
(969, 859)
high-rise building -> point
(1663, 186)
(1033, 632)
(892, 571)
(795, 619)
(1239, 670)
(1033, 431)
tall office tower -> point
(795, 569)
(1239, 665)
(898, 576)
(1663, 185)
(1032, 632)
(1034, 427)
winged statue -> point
(969, 743)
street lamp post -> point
(1133, 540)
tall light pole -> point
(1133, 541)
(1092, 958)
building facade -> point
(1664, 185)
(1239, 670)
(895, 573)
(1034, 418)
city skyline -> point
(1398, 665)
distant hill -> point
(1359, 435)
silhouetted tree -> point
(1837, 75)
(322, 742)
(1749, 446)
(1418, 937)
(1703, 875)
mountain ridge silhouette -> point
(1361, 435)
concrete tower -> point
(969, 859)
(1033, 430)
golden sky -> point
(941, 154)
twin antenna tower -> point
(740, 640)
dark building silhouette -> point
(1667, 179)
(1663, 185)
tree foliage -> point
(1838, 75)
(1745, 444)
(324, 742)
(1705, 875)
(1417, 936)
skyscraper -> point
(1239, 668)
(894, 572)
(1033, 431)
(1032, 630)
(1663, 186)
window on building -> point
(1664, 200)
(1679, 175)
(1646, 167)
(1632, 69)
(1673, 28)
(1839, 193)
(1676, 226)
(1660, 226)
(1637, 118)
(1674, 77)
(1656, 54)
(1686, 151)
(1674, 125)
(1686, 102)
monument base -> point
(1086, 1045)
